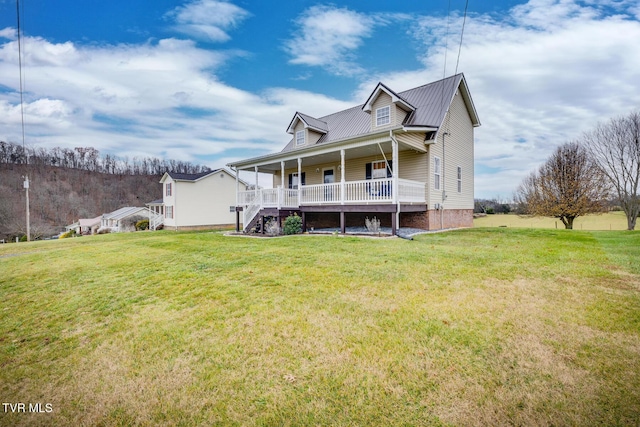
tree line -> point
(90, 159)
(581, 176)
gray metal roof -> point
(311, 122)
(431, 103)
(190, 176)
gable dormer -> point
(306, 130)
(387, 108)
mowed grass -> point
(472, 327)
(607, 221)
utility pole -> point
(26, 163)
(26, 187)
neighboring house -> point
(196, 201)
(86, 225)
(122, 219)
(404, 157)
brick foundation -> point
(432, 220)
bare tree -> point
(615, 147)
(566, 186)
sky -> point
(211, 81)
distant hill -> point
(66, 185)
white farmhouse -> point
(199, 201)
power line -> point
(464, 20)
(24, 151)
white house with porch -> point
(197, 201)
(405, 157)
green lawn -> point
(486, 326)
(608, 221)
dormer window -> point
(383, 116)
(300, 137)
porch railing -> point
(365, 191)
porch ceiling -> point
(310, 159)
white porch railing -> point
(365, 191)
(411, 191)
(320, 193)
(155, 220)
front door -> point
(328, 178)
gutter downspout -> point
(396, 165)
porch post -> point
(282, 190)
(237, 186)
(342, 176)
(394, 155)
(256, 187)
(396, 199)
(343, 223)
(299, 181)
(394, 225)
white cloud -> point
(208, 19)
(327, 36)
(539, 76)
(155, 99)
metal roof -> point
(123, 212)
(189, 176)
(431, 102)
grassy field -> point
(479, 327)
(609, 221)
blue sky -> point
(215, 81)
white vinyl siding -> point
(455, 149)
(383, 116)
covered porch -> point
(359, 176)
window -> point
(379, 169)
(383, 116)
(300, 137)
(294, 182)
(168, 212)
(437, 171)
(459, 179)
(168, 189)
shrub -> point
(70, 233)
(104, 231)
(372, 225)
(143, 224)
(293, 224)
(272, 228)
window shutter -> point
(389, 169)
(290, 180)
(368, 171)
(303, 180)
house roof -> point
(428, 105)
(309, 122)
(193, 177)
(189, 176)
(394, 98)
(123, 212)
(89, 222)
